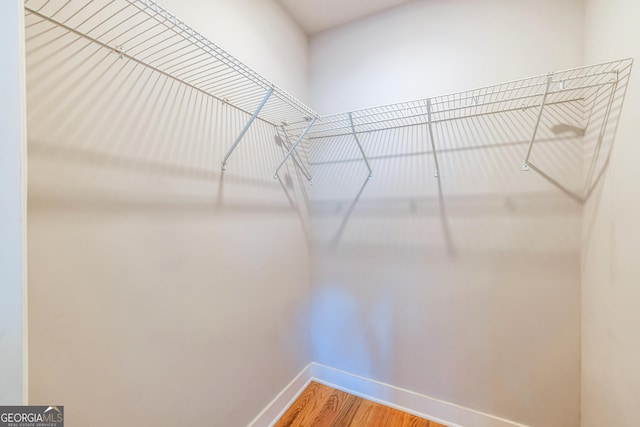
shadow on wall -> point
(337, 325)
(598, 142)
(91, 112)
(465, 288)
(152, 273)
(481, 167)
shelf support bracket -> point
(293, 147)
(296, 157)
(355, 136)
(603, 128)
(525, 164)
(431, 138)
(246, 128)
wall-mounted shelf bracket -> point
(293, 147)
(246, 128)
(603, 127)
(433, 144)
(525, 164)
(296, 157)
(120, 51)
(355, 136)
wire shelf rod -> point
(148, 39)
(130, 29)
(223, 56)
(345, 125)
(355, 137)
(152, 36)
(432, 139)
(335, 135)
(145, 33)
(525, 164)
(601, 133)
(101, 44)
(246, 128)
(541, 84)
(343, 120)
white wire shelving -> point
(574, 85)
(144, 32)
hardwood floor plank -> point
(335, 406)
(374, 414)
(345, 418)
(305, 406)
(322, 406)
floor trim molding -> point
(278, 406)
(447, 413)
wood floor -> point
(320, 406)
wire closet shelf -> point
(578, 84)
(145, 32)
(575, 85)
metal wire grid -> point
(143, 31)
(573, 85)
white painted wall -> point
(428, 48)
(13, 280)
(315, 16)
(160, 287)
(142, 241)
(468, 292)
(610, 270)
(260, 33)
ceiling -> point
(319, 15)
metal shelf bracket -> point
(120, 51)
(433, 144)
(355, 136)
(246, 128)
(296, 157)
(525, 164)
(293, 147)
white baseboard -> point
(409, 401)
(277, 407)
(437, 410)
